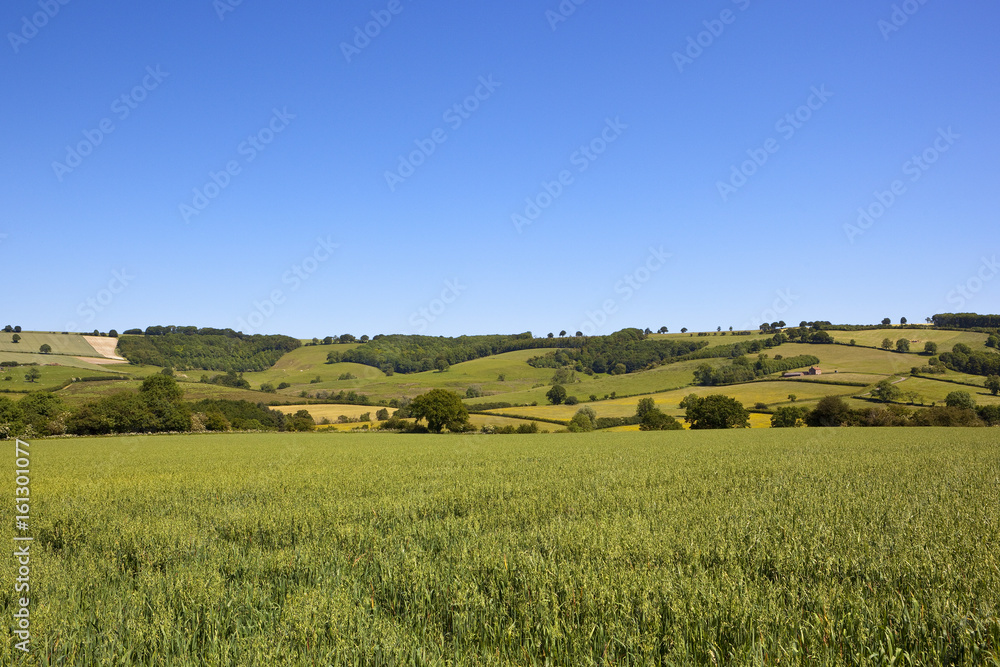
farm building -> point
(815, 371)
(795, 374)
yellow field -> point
(766, 392)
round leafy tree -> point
(439, 407)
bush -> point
(284, 385)
(716, 412)
(585, 420)
(960, 399)
(787, 417)
(571, 400)
(268, 388)
(830, 411)
(556, 394)
(656, 420)
(946, 416)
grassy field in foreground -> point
(805, 547)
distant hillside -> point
(205, 349)
(414, 354)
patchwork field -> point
(818, 547)
(917, 337)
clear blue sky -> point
(104, 240)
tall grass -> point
(839, 547)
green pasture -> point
(52, 377)
(758, 547)
(916, 337)
(67, 344)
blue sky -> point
(496, 167)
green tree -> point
(902, 320)
(162, 396)
(216, 421)
(556, 395)
(930, 347)
(886, 322)
(792, 398)
(15, 338)
(301, 421)
(45, 348)
(993, 384)
(645, 405)
(11, 419)
(382, 414)
(268, 388)
(830, 411)
(902, 345)
(441, 364)
(886, 391)
(439, 407)
(886, 344)
(960, 399)
(43, 412)
(993, 341)
(33, 374)
(787, 417)
(585, 420)
(717, 411)
(656, 420)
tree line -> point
(742, 369)
(206, 349)
(157, 407)
(625, 351)
(964, 359)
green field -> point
(917, 337)
(31, 341)
(52, 377)
(806, 547)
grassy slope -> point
(834, 546)
(68, 344)
(524, 384)
(917, 337)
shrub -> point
(656, 420)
